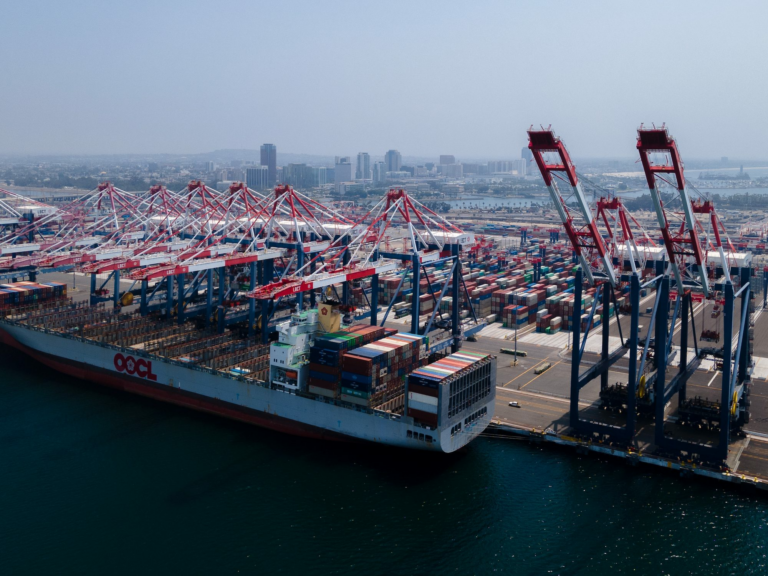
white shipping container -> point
(416, 405)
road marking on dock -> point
(679, 322)
(523, 374)
(541, 396)
(545, 371)
(546, 414)
(758, 436)
(713, 379)
(743, 455)
(551, 409)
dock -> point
(543, 413)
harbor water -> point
(100, 482)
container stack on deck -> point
(375, 374)
(25, 293)
(469, 376)
(328, 350)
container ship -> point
(320, 379)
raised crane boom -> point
(585, 239)
(620, 239)
(684, 250)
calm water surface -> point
(98, 482)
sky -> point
(336, 78)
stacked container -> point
(460, 380)
(375, 373)
(501, 299)
(388, 287)
(515, 316)
(25, 293)
(325, 356)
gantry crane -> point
(398, 229)
(601, 260)
(689, 260)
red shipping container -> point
(320, 383)
(357, 364)
(423, 417)
(434, 392)
(333, 370)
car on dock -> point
(515, 404)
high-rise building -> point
(447, 159)
(379, 172)
(320, 175)
(526, 153)
(343, 169)
(298, 175)
(210, 166)
(235, 174)
(269, 159)
(393, 160)
(257, 177)
(453, 170)
(502, 166)
(363, 171)
(522, 167)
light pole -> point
(515, 344)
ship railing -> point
(334, 402)
(133, 351)
(342, 404)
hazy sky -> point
(463, 78)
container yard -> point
(396, 326)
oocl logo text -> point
(135, 367)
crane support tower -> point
(601, 267)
